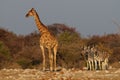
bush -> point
(25, 63)
(70, 49)
(25, 50)
(4, 52)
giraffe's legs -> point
(43, 54)
(55, 52)
(50, 59)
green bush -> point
(24, 63)
(70, 49)
(4, 51)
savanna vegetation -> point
(22, 51)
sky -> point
(89, 17)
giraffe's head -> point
(30, 12)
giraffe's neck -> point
(41, 27)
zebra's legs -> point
(96, 66)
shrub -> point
(69, 52)
(24, 63)
(25, 50)
(4, 51)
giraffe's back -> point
(48, 40)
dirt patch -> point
(71, 74)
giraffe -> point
(47, 40)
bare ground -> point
(64, 74)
